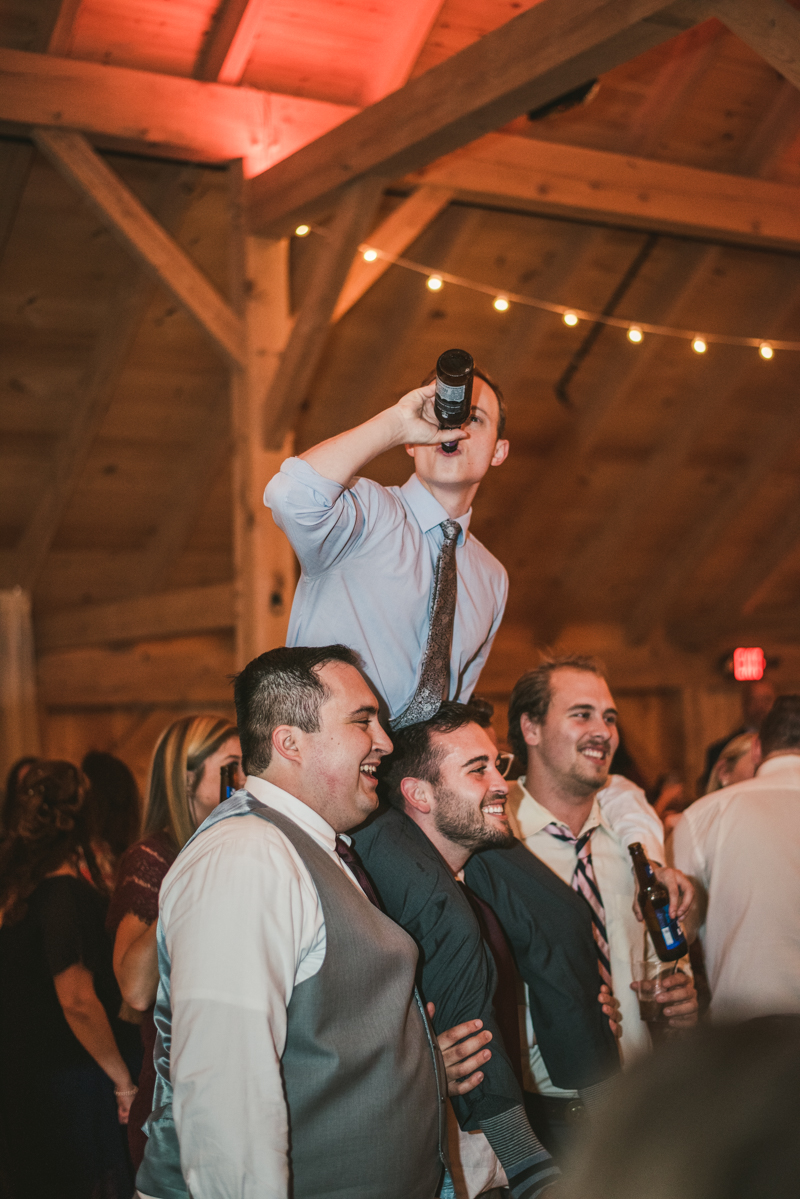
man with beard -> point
(562, 721)
(448, 800)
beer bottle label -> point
(668, 928)
(450, 394)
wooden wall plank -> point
(170, 614)
(540, 54)
(141, 233)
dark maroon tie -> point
(505, 997)
(350, 860)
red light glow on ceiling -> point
(748, 664)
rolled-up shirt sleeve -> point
(324, 521)
(238, 927)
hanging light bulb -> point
(635, 334)
(501, 304)
(570, 319)
(699, 346)
(370, 255)
(302, 231)
(766, 350)
(434, 283)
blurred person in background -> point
(115, 805)
(67, 1064)
(14, 778)
(184, 789)
(741, 847)
(757, 699)
(737, 762)
(713, 1116)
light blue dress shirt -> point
(368, 558)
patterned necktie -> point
(357, 870)
(585, 883)
(434, 678)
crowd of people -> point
(380, 969)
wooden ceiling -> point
(661, 492)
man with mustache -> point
(563, 723)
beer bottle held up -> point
(452, 402)
(665, 932)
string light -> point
(302, 231)
(699, 346)
(501, 304)
(766, 350)
(370, 255)
(569, 318)
(434, 283)
(635, 334)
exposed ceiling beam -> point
(312, 324)
(140, 232)
(551, 178)
(770, 27)
(94, 396)
(393, 236)
(230, 41)
(170, 614)
(537, 56)
(163, 114)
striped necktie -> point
(585, 883)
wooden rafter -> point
(171, 614)
(548, 177)
(299, 360)
(141, 233)
(770, 27)
(535, 57)
(393, 236)
(230, 41)
(94, 397)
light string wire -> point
(562, 310)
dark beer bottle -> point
(665, 932)
(452, 402)
(227, 781)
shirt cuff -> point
(300, 471)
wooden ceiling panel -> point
(146, 34)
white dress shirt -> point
(243, 924)
(741, 845)
(368, 556)
(627, 940)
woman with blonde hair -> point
(736, 763)
(65, 1057)
(184, 789)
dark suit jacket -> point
(549, 929)
(457, 971)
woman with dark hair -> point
(184, 789)
(65, 1084)
(14, 779)
(114, 803)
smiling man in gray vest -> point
(293, 1055)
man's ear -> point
(410, 450)
(284, 742)
(417, 794)
(531, 731)
(500, 453)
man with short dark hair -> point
(741, 846)
(293, 1054)
(563, 718)
(448, 803)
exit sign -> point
(748, 664)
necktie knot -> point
(451, 530)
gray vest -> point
(364, 1081)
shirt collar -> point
(788, 764)
(428, 511)
(532, 816)
(309, 820)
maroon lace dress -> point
(139, 877)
